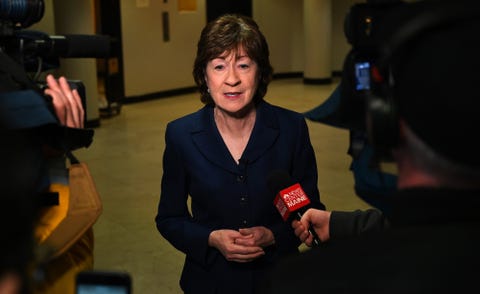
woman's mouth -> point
(232, 94)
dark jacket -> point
(227, 195)
(432, 246)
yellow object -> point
(52, 216)
(65, 232)
(60, 273)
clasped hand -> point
(244, 245)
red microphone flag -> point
(290, 200)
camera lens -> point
(22, 12)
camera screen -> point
(101, 289)
(100, 282)
(362, 76)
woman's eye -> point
(219, 67)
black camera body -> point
(364, 28)
(24, 55)
(19, 14)
(37, 51)
(381, 34)
(15, 16)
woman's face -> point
(232, 80)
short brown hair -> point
(228, 33)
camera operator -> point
(431, 245)
(41, 122)
(23, 177)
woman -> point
(221, 156)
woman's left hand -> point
(256, 236)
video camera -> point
(365, 27)
(383, 35)
(38, 51)
(25, 54)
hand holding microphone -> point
(316, 219)
(291, 201)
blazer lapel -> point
(207, 139)
(264, 133)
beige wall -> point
(282, 23)
(150, 64)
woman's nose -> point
(233, 78)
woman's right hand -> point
(224, 241)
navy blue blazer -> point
(227, 195)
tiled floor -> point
(126, 162)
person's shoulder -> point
(280, 109)
(332, 267)
(188, 120)
(281, 112)
(378, 262)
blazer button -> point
(240, 178)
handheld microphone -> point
(291, 201)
